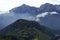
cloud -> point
(44, 14)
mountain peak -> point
(24, 5)
(47, 7)
(24, 9)
(22, 24)
(47, 4)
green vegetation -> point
(26, 34)
(25, 30)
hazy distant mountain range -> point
(33, 10)
(49, 15)
(25, 9)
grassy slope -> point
(30, 33)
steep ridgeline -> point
(25, 29)
(25, 9)
(47, 7)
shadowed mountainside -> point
(28, 30)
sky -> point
(6, 5)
